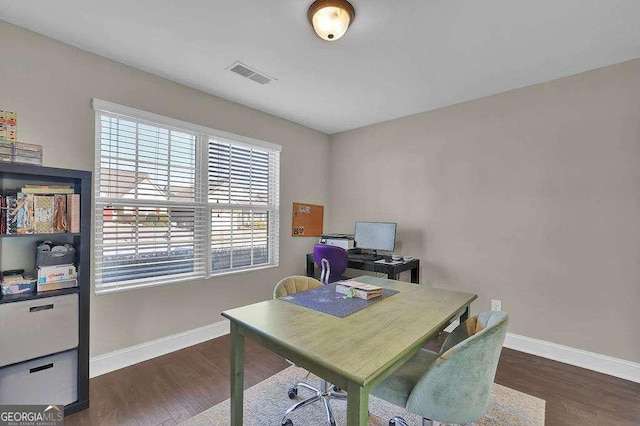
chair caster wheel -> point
(287, 422)
(292, 394)
(333, 423)
(336, 389)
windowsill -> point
(239, 271)
(108, 291)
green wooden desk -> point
(354, 353)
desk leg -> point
(237, 375)
(311, 266)
(465, 314)
(415, 273)
(357, 405)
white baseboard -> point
(590, 360)
(112, 361)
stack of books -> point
(57, 277)
(47, 189)
(359, 290)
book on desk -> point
(358, 289)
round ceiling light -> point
(331, 18)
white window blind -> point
(176, 202)
(242, 194)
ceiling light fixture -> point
(331, 18)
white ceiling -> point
(398, 57)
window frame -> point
(202, 204)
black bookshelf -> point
(12, 175)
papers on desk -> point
(390, 262)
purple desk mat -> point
(325, 299)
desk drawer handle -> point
(42, 367)
(41, 308)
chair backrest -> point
(457, 386)
(337, 257)
(294, 284)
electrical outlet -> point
(496, 305)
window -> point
(176, 201)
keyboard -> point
(365, 256)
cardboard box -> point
(57, 285)
(48, 274)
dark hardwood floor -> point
(172, 388)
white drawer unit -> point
(38, 327)
(48, 380)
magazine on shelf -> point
(11, 215)
(60, 213)
(24, 214)
(73, 213)
(43, 214)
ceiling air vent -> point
(250, 73)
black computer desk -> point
(392, 271)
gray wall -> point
(51, 85)
(531, 196)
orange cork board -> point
(306, 220)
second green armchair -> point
(454, 385)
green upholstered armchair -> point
(324, 393)
(294, 284)
(453, 386)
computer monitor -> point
(375, 235)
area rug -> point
(266, 402)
